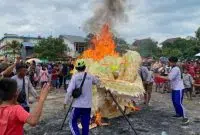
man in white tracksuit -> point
(177, 87)
(81, 105)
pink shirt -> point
(43, 75)
(12, 119)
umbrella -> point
(198, 54)
(34, 59)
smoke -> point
(110, 12)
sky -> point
(156, 19)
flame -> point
(103, 45)
(98, 118)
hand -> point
(44, 92)
(64, 106)
(38, 98)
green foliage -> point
(198, 34)
(51, 48)
(181, 48)
(13, 48)
(148, 48)
(167, 52)
(121, 45)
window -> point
(80, 47)
(26, 39)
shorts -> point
(188, 90)
(43, 82)
(197, 89)
(148, 87)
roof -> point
(140, 41)
(74, 39)
(28, 44)
(170, 40)
(20, 37)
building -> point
(145, 47)
(140, 42)
(76, 44)
(27, 43)
(190, 38)
(170, 40)
(27, 49)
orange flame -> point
(98, 118)
(103, 45)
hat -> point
(80, 63)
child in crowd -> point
(44, 76)
(188, 83)
(13, 116)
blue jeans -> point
(177, 99)
(84, 115)
(55, 83)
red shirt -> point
(54, 75)
(192, 70)
(197, 79)
(12, 119)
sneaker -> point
(176, 116)
(185, 121)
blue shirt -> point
(175, 78)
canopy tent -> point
(34, 59)
(198, 55)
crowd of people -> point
(21, 79)
(17, 81)
(172, 76)
(58, 74)
(190, 74)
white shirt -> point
(176, 81)
(28, 87)
(85, 100)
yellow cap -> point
(80, 63)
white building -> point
(26, 42)
(76, 44)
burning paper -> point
(117, 74)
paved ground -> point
(152, 120)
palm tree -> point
(14, 47)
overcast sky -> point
(158, 19)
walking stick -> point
(121, 110)
(70, 106)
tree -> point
(121, 45)
(198, 34)
(167, 52)
(51, 48)
(13, 48)
(181, 48)
(147, 47)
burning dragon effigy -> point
(118, 74)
